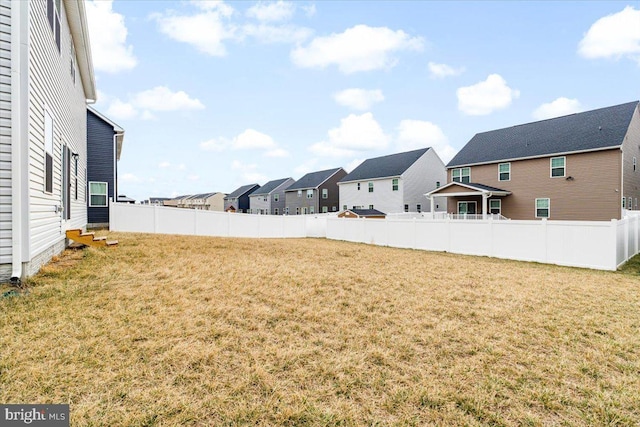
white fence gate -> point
(603, 245)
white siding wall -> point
(257, 202)
(383, 198)
(420, 178)
(5, 139)
(51, 84)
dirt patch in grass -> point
(167, 330)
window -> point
(325, 193)
(370, 206)
(75, 173)
(419, 208)
(276, 197)
(461, 175)
(334, 208)
(344, 207)
(309, 194)
(495, 206)
(394, 184)
(312, 210)
(624, 203)
(630, 203)
(305, 211)
(406, 208)
(358, 186)
(97, 194)
(299, 193)
(557, 166)
(467, 208)
(66, 182)
(437, 184)
(276, 211)
(53, 15)
(371, 187)
(48, 152)
(325, 209)
(634, 164)
(297, 211)
(542, 208)
(73, 63)
(504, 172)
(286, 211)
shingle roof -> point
(367, 212)
(591, 130)
(269, 187)
(385, 166)
(313, 179)
(243, 190)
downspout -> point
(19, 140)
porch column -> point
(432, 206)
(485, 197)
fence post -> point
(626, 240)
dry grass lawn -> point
(168, 330)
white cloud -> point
(306, 167)
(277, 152)
(356, 133)
(414, 134)
(161, 98)
(441, 71)
(108, 34)
(485, 97)
(119, 110)
(252, 139)
(309, 10)
(358, 99)
(164, 165)
(215, 5)
(215, 144)
(613, 36)
(206, 31)
(277, 34)
(143, 103)
(360, 48)
(193, 177)
(129, 177)
(352, 165)
(272, 11)
(560, 107)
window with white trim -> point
(276, 212)
(624, 203)
(370, 206)
(97, 194)
(312, 210)
(297, 211)
(325, 209)
(461, 175)
(305, 210)
(504, 172)
(467, 208)
(358, 186)
(299, 193)
(630, 203)
(419, 208)
(334, 208)
(394, 184)
(325, 193)
(406, 208)
(53, 16)
(371, 187)
(495, 206)
(344, 207)
(48, 152)
(309, 194)
(276, 197)
(543, 208)
(558, 166)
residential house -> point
(124, 199)
(104, 146)
(269, 199)
(394, 183)
(238, 201)
(46, 81)
(205, 201)
(577, 167)
(362, 213)
(156, 201)
(316, 192)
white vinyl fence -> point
(602, 245)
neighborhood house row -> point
(59, 156)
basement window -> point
(97, 194)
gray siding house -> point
(104, 145)
(316, 192)
(46, 79)
(238, 201)
(269, 199)
(395, 183)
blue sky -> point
(214, 95)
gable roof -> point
(472, 186)
(385, 166)
(269, 186)
(366, 212)
(313, 179)
(588, 131)
(242, 191)
(117, 130)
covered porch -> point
(473, 201)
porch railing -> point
(476, 217)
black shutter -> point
(48, 178)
